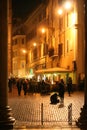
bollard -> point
(41, 113)
(70, 114)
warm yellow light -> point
(43, 30)
(74, 18)
(24, 51)
(60, 11)
(34, 44)
(67, 5)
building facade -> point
(19, 55)
(54, 41)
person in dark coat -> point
(61, 91)
(19, 86)
(25, 86)
(54, 98)
(10, 84)
(69, 85)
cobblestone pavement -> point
(27, 110)
(73, 128)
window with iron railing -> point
(51, 52)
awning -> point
(53, 70)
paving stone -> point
(27, 110)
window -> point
(15, 53)
(51, 52)
(22, 40)
(15, 41)
(61, 24)
(45, 49)
(35, 53)
(60, 49)
(39, 50)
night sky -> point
(22, 8)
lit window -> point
(22, 40)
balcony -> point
(52, 53)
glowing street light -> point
(67, 5)
(24, 51)
(34, 44)
(43, 30)
(60, 11)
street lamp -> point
(34, 44)
(65, 7)
(60, 11)
(24, 51)
(43, 30)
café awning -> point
(53, 70)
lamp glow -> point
(43, 30)
(67, 5)
(60, 11)
(34, 44)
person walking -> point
(19, 86)
(10, 84)
(25, 86)
(69, 85)
(61, 91)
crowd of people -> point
(28, 86)
(42, 87)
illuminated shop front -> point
(55, 74)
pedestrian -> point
(54, 98)
(25, 86)
(69, 85)
(43, 87)
(19, 86)
(61, 91)
(10, 84)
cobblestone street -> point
(28, 112)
